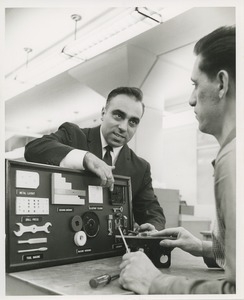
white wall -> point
(149, 142)
(179, 161)
(171, 153)
(174, 160)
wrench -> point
(31, 228)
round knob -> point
(163, 259)
(80, 238)
(76, 223)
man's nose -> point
(123, 125)
(192, 99)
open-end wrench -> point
(31, 228)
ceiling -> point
(41, 29)
(159, 61)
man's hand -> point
(137, 272)
(184, 240)
(100, 168)
(144, 228)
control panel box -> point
(57, 216)
(160, 256)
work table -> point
(73, 279)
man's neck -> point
(228, 122)
(229, 133)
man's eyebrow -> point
(135, 119)
(124, 114)
(119, 111)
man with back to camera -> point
(76, 148)
(214, 102)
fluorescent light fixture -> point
(120, 27)
(45, 68)
(113, 28)
(39, 70)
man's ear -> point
(223, 82)
(103, 112)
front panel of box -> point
(57, 216)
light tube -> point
(118, 29)
(114, 28)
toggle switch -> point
(110, 224)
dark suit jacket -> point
(51, 149)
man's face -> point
(205, 100)
(121, 118)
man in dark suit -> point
(89, 148)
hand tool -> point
(33, 241)
(33, 250)
(102, 280)
(31, 228)
(123, 239)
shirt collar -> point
(228, 139)
(116, 150)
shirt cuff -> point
(207, 249)
(74, 160)
(207, 254)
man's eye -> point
(117, 115)
(133, 123)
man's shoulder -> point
(136, 158)
(227, 152)
(69, 126)
(72, 126)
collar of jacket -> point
(95, 145)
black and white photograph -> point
(122, 149)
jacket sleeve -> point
(51, 149)
(167, 284)
(147, 208)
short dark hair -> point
(218, 51)
(129, 91)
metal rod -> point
(126, 246)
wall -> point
(149, 143)
(174, 161)
(179, 161)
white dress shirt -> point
(74, 159)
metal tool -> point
(31, 228)
(124, 241)
(33, 241)
(102, 280)
(33, 250)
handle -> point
(33, 250)
(33, 241)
